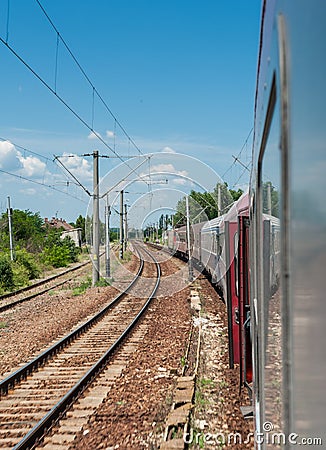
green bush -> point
(28, 261)
(20, 275)
(59, 252)
(68, 243)
(57, 256)
(6, 273)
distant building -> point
(67, 229)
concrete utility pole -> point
(219, 207)
(107, 238)
(191, 275)
(96, 221)
(121, 225)
(11, 241)
(126, 227)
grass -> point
(200, 401)
(127, 256)
(102, 282)
(82, 287)
(206, 382)
(4, 325)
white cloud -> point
(78, 166)
(10, 158)
(94, 135)
(28, 191)
(109, 134)
(179, 177)
(168, 150)
(180, 181)
(32, 166)
(169, 169)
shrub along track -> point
(40, 287)
(21, 409)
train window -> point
(269, 183)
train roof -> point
(212, 224)
(240, 207)
(275, 221)
(195, 226)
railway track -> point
(14, 298)
(34, 398)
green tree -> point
(225, 196)
(81, 223)
(59, 252)
(202, 207)
(27, 229)
(236, 194)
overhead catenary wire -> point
(56, 159)
(236, 159)
(25, 149)
(73, 176)
(94, 90)
(21, 177)
(66, 104)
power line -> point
(62, 100)
(49, 160)
(94, 90)
(236, 159)
(41, 184)
(26, 149)
(72, 175)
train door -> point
(232, 301)
(244, 304)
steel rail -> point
(37, 284)
(33, 437)
(21, 374)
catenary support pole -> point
(107, 238)
(219, 206)
(96, 220)
(121, 225)
(126, 227)
(11, 241)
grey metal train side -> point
(212, 251)
(288, 181)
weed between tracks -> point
(83, 286)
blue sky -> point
(178, 75)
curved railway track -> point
(36, 396)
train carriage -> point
(268, 253)
(212, 244)
(288, 255)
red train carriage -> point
(235, 227)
